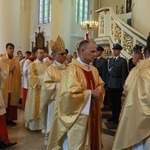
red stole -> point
(31, 59)
(50, 58)
(10, 57)
(95, 122)
(3, 130)
(11, 111)
(25, 92)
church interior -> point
(32, 24)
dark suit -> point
(101, 65)
(117, 73)
(131, 65)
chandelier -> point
(89, 24)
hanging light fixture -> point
(88, 25)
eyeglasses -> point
(62, 54)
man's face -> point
(10, 50)
(27, 55)
(60, 57)
(135, 60)
(20, 57)
(89, 53)
(40, 54)
(116, 52)
(19, 53)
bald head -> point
(82, 45)
(87, 51)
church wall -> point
(33, 16)
(46, 28)
(95, 5)
(113, 4)
(24, 25)
(61, 20)
(140, 16)
(9, 24)
(76, 32)
(62, 23)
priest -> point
(77, 115)
(35, 77)
(133, 132)
(51, 83)
(4, 140)
(12, 87)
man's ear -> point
(82, 50)
(54, 55)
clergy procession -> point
(62, 95)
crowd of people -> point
(62, 95)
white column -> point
(9, 23)
(24, 25)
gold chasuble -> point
(49, 93)
(134, 125)
(15, 78)
(35, 76)
(82, 130)
(128, 80)
(51, 78)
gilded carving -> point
(115, 31)
(127, 42)
(101, 29)
(117, 34)
(112, 26)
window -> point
(44, 12)
(82, 10)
